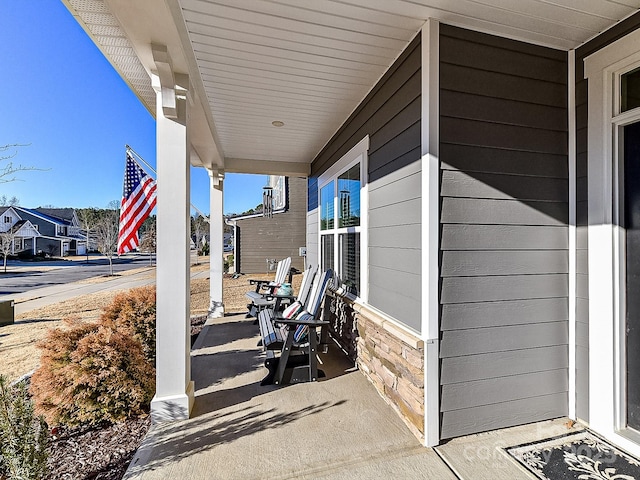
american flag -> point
(138, 199)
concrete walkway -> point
(337, 428)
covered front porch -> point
(338, 427)
(447, 155)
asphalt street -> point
(28, 276)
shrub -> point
(23, 436)
(135, 310)
(91, 373)
(227, 263)
(25, 255)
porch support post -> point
(216, 225)
(430, 229)
(174, 388)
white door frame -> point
(607, 389)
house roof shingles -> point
(45, 216)
(65, 214)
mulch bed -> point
(197, 324)
(98, 453)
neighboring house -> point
(472, 177)
(227, 240)
(59, 229)
(258, 239)
(25, 233)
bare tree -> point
(199, 228)
(148, 237)
(106, 233)
(8, 202)
(6, 244)
(89, 218)
(8, 168)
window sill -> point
(378, 318)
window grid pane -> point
(349, 198)
(326, 206)
(326, 251)
(349, 244)
(630, 90)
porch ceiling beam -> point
(267, 167)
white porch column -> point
(431, 230)
(174, 388)
(216, 233)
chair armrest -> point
(259, 283)
(293, 321)
(280, 300)
(276, 297)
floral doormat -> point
(576, 456)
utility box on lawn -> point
(6, 313)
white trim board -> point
(606, 341)
(572, 235)
(430, 205)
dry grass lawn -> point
(18, 349)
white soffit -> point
(309, 63)
(94, 16)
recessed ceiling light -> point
(277, 123)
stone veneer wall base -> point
(393, 360)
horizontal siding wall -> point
(390, 115)
(504, 235)
(278, 237)
(582, 217)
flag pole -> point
(138, 157)
(131, 150)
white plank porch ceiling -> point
(308, 63)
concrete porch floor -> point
(337, 428)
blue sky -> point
(62, 98)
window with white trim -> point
(278, 184)
(342, 225)
(7, 219)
